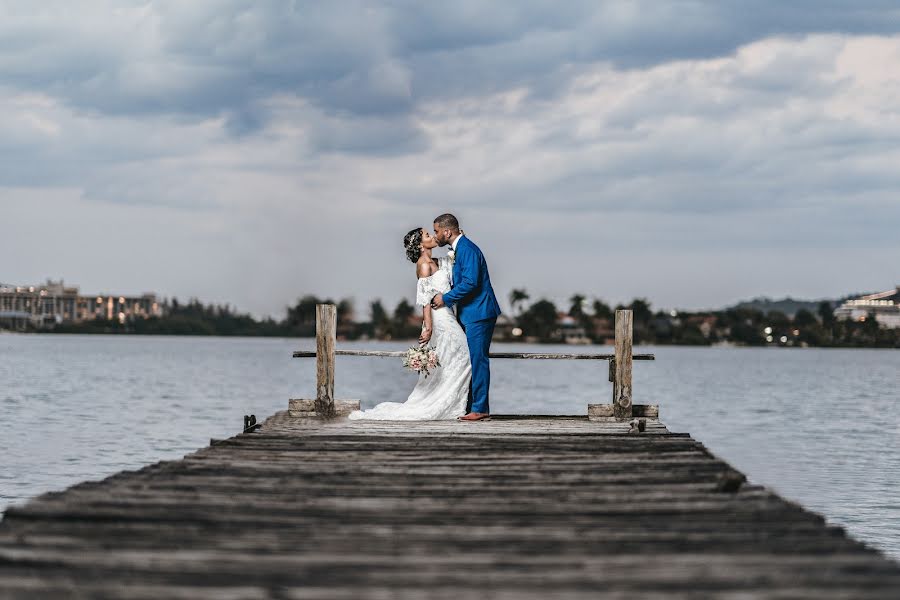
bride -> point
(444, 393)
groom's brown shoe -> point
(476, 417)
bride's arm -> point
(423, 270)
(426, 325)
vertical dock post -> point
(324, 405)
(622, 377)
(326, 336)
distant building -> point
(603, 330)
(53, 303)
(570, 330)
(885, 306)
(706, 324)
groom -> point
(477, 308)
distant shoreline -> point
(412, 341)
(541, 322)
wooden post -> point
(324, 406)
(622, 383)
(326, 336)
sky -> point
(693, 153)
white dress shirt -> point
(453, 249)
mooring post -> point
(326, 337)
(622, 384)
(324, 405)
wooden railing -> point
(325, 405)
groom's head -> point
(446, 227)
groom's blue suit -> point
(477, 310)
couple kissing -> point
(459, 313)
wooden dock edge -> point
(306, 408)
(607, 412)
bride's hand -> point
(426, 335)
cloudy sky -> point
(695, 153)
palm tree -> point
(345, 311)
(379, 314)
(540, 321)
(640, 307)
(380, 320)
(304, 312)
(516, 297)
(576, 310)
(602, 310)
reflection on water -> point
(820, 426)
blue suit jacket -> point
(472, 293)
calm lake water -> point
(821, 427)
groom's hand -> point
(437, 301)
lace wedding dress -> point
(443, 394)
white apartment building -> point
(54, 303)
(885, 306)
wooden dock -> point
(528, 507)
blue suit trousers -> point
(478, 335)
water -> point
(822, 427)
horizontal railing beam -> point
(519, 355)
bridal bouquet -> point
(421, 359)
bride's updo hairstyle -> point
(412, 242)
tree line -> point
(196, 318)
(738, 326)
(541, 321)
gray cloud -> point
(206, 58)
(249, 138)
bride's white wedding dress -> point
(443, 394)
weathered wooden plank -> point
(522, 574)
(326, 335)
(622, 384)
(637, 410)
(306, 408)
(637, 537)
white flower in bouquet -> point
(421, 359)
